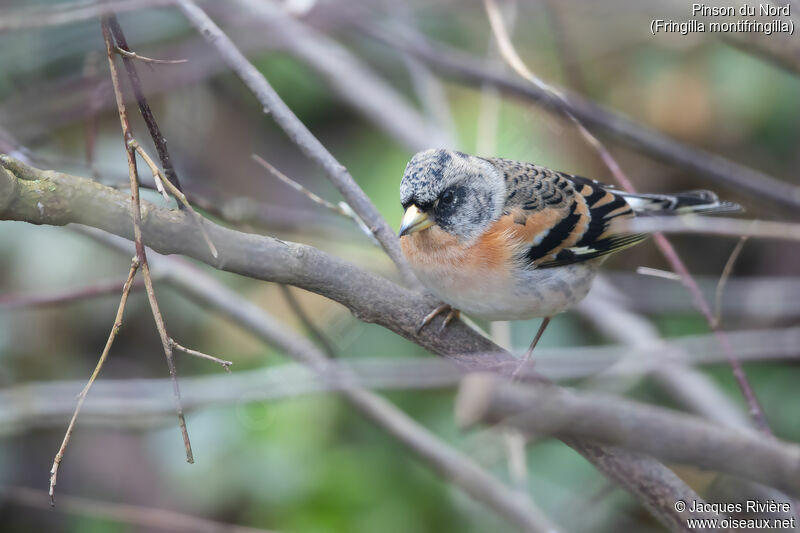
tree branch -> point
(299, 134)
(668, 435)
(48, 197)
(448, 462)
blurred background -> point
(304, 461)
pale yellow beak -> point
(414, 220)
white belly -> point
(534, 293)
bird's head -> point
(459, 193)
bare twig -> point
(657, 273)
(82, 396)
(299, 134)
(226, 365)
(143, 59)
(137, 234)
(299, 188)
(343, 209)
(723, 280)
(152, 126)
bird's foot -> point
(452, 314)
(525, 362)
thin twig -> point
(143, 59)
(161, 180)
(82, 396)
(299, 188)
(343, 209)
(723, 280)
(657, 273)
(510, 55)
(147, 114)
(226, 365)
(137, 234)
(173, 374)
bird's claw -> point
(451, 314)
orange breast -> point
(491, 254)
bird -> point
(501, 239)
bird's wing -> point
(564, 219)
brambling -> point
(508, 240)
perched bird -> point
(507, 240)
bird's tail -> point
(698, 202)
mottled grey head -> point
(460, 193)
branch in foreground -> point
(445, 460)
(48, 197)
(85, 391)
(671, 436)
(136, 215)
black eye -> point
(447, 198)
